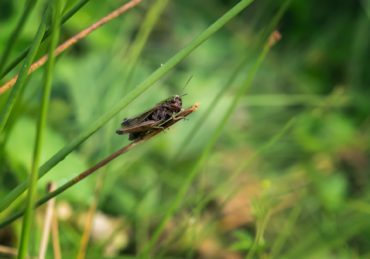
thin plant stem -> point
(127, 99)
(87, 231)
(49, 215)
(260, 229)
(285, 232)
(8, 251)
(73, 40)
(55, 237)
(55, 9)
(90, 218)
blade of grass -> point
(125, 101)
(206, 151)
(23, 74)
(286, 231)
(31, 197)
(201, 120)
(17, 31)
(70, 13)
(21, 56)
(261, 221)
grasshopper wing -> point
(140, 127)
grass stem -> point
(55, 9)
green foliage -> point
(244, 241)
(334, 135)
(274, 164)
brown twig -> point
(55, 237)
(89, 220)
(47, 223)
(73, 40)
(9, 252)
(275, 36)
(5, 250)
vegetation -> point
(273, 164)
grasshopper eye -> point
(177, 99)
(176, 103)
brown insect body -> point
(150, 120)
(164, 124)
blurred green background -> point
(287, 178)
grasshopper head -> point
(175, 103)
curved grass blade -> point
(198, 124)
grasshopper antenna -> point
(186, 84)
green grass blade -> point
(197, 125)
(70, 13)
(159, 73)
(17, 31)
(31, 195)
(22, 77)
(286, 230)
(21, 56)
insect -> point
(152, 119)
(167, 123)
